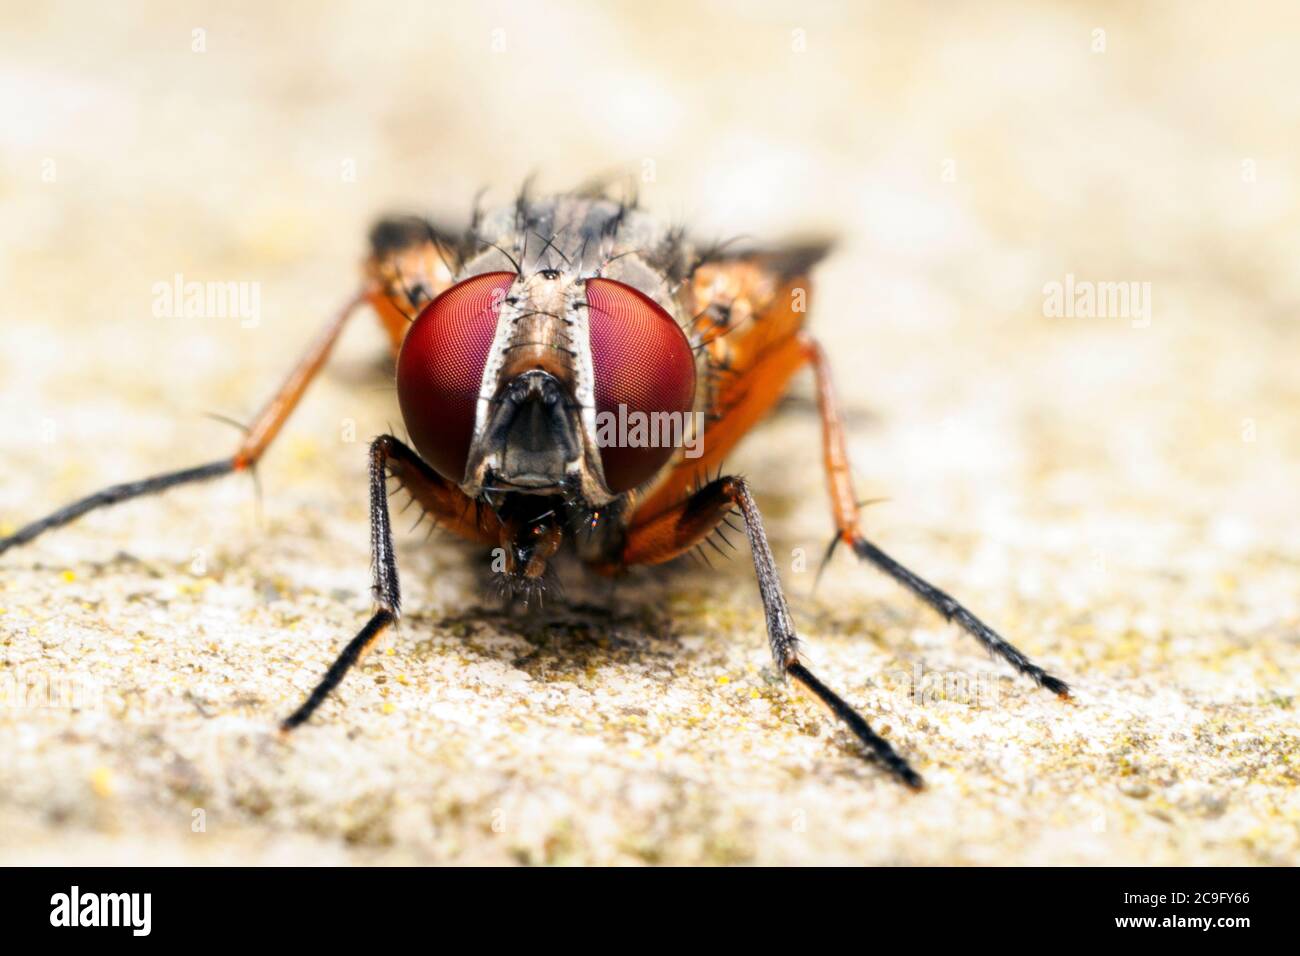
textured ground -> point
(1118, 497)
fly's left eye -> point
(440, 369)
(641, 360)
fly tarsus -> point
(354, 651)
(954, 610)
(780, 626)
(113, 495)
(877, 744)
(384, 451)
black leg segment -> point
(784, 641)
(953, 610)
(114, 494)
(385, 585)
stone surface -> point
(1117, 496)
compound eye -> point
(643, 366)
(440, 369)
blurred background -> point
(1116, 491)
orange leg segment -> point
(266, 425)
(276, 412)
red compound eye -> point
(643, 362)
(440, 369)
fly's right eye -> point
(440, 369)
(642, 361)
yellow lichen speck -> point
(101, 781)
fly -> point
(541, 356)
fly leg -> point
(389, 457)
(844, 505)
(263, 430)
(673, 532)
